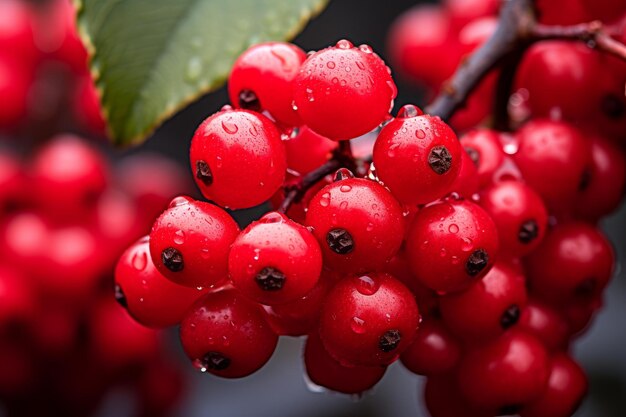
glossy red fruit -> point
(554, 158)
(368, 320)
(580, 314)
(519, 214)
(489, 307)
(417, 156)
(301, 317)
(451, 245)
(227, 335)
(17, 299)
(326, 372)
(149, 297)
(343, 92)
(575, 261)
(189, 242)
(422, 45)
(546, 324)
(603, 192)
(87, 108)
(17, 21)
(434, 351)
(560, 12)
(463, 12)
(506, 373)
(297, 210)
(238, 158)
(262, 80)
(68, 176)
(566, 390)
(467, 183)
(358, 224)
(483, 147)
(15, 84)
(605, 10)
(307, 150)
(443, 398)
(275, 260)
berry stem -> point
(517, 30)
(294, 191)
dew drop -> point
(345, 188)
(179, 237)
(331, 65)
(357, 325)
(453, 228)
(420, 133)
(325, 200)
(229, 127)
(179, 201)
(343, 205)
(140, 261)
(370, 227)
(344, 44)
(467, 244)
(366, 48)
(360, 65)
(367, 285)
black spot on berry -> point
(215, 361)
(476, 262)
(172, 259)
(587, 288)
(473, 154)
(249, 101)
(120, 297)
(203, 172)
(613, 107)
(440, 160)
(509, 410)
(585, 179)
(340, 241)
(389, 341)
(270, 279)
(510, 317)
(528, 231)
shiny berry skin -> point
(467, 182)
(554, 158)
(560, 12)
(189, 242)
(451, 244)
(226, 335)
(607, 178)
(506, 373)
(575, 261)
(417, 156)
(300, 317)
(326, 372)
(483, 147)
(238, 158)
(149, 297)
(275, 260)
(343, 92)
(15, 83)
(308, 150)
(567, 386)
(358, 224)
(262, 80)
(546, 324)
(68, 175)
(519, 214)
(434, 351)
(368, 320)
(489, 307)
(463, 12)
(443, 398)
(17, 299)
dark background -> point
(279, 389)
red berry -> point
(463, 12)
(358, 224)
(17, 299)
(149, 297)
(607, 178)
(519, 215)
(15, 83)
(546, 324)
(487, 308)
(238, 158)
(467, 183)
(262, 80)
(227, 335)
(554, 158)
(567, 386)
(560, 12)
(434, 350)
(574, 262)
(451, 244)
(443, 398)
(189, 242)
(483, 147)
(417, 156)
(17, 21)
(275, 260)
(308, 150)
(343, 92)
(325, 371)
(368, 320)
(505, 374)
(87, 108)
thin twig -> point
(593, 34)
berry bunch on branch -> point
(459, 240)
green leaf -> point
(150, 58)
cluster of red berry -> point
(43, 71)
(65, 218)
(493, 236)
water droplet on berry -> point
(358, 325)
(257, 253)
(360, 65)
(325, 200)
(294, 106)
(309, 95)
(179, 237)
(343, 205)
(370, 227)
(455, 260)
(467, 244)
(420, 133)
(331, 65)
(272, 217)
(367, 285)
(393, 88)
(229, 127)
(204, 252)
(344, 44)
(140, 261)
(453, 228)
(366, 48)
(345, 188)
(443, 252)
(179, 201)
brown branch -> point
(593, 34)
(342, 157)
